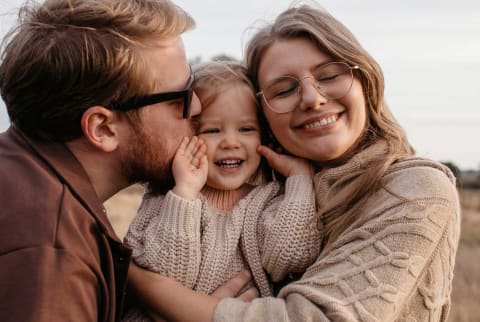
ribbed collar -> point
(225, 200)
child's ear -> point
(100, 128)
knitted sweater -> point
(202, 247)
(397, 266)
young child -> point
(201, 235)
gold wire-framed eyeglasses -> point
(333, 80)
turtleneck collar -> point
(225, 200)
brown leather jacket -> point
(60, 259)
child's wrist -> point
(185, 192)
(301, 171)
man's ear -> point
(100, 127)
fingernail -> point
(247, 273)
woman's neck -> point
(225, 200)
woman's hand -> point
(234, 285)
(287, 165)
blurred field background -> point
(466, 287)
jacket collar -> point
(70, 172)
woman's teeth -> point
(322, 122)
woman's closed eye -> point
(283, 87)
(328, 78)
(285, 91)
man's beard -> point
(146, 162)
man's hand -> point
(235, 285)
(165, 298)
(190, 168)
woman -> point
(390, 220)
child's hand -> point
(190, 168)
(287, 165)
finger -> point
(198, 153)
(191, 146)
(203, 166)
(249, 295)
(233, 285)
(272, 157)
(183, 145)
(203, 145)
(199, 150)
(279, 162)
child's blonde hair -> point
(214, 78)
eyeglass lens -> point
(332, 80)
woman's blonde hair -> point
(346, 197)
(67, 55)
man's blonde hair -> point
(67, 55)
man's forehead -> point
(167, 63)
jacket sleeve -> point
(46, 282)
(165, 237)
(291, 240)
(401, 257)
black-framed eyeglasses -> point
(139, 101)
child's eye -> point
(209, 131)
(248, 129)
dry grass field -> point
(466, 289)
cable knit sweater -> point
(203, 247)
(398, 266)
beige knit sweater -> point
(398, 266)
(202, 247)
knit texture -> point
(397, 266)
(203, 247)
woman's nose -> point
(310, 95)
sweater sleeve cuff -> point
(299, 189)
(264, 309)
(181, 214)
(229, 309)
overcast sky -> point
(429, 51)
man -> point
(99, 95)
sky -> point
(429, 51)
